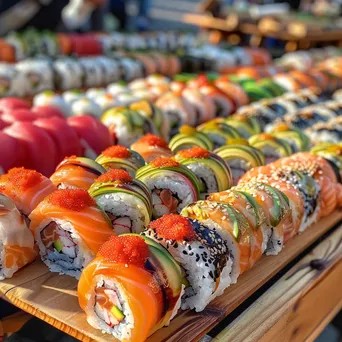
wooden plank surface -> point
(53, 298)
(300, 304)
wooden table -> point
(293, 306)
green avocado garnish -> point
(117, 313)
(58, 245)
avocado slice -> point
(117, 313)
(58, 245)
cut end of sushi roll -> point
(201, 253)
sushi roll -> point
(132, 288)
(17, 247)
(322, 172)
(202, 254)
(86, 106)
(203, 105)
(276, 208)
(26, 188)
(179, 111)
(240, 158)
(273, 148)
(308, 189)
(105, 101)
(151, 147)
(76, 173)
(49, 98)
(127, 202)
(69, 229)
(189, 137)
(173, 186)
(12, 82)
(121, 157)
(218, 131)
(69, 74)
(232, 228)
(245, 204)
(157, 116)
(224, 105)
(127, 125)
(70, 96)
(263, 174)
(93, 93)
(246, 126)
(117, 88)
(330, 131)
(211, 170)
(298, 140)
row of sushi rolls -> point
(158, 193)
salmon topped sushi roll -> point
(121, 157)
(127, 202)
(69, 229)
(132, 288)
(254, 215)
(211, 170)
(263, 174)
(230, 225)
(322, 172)
(202, 254)
(173, 186)
(76, 173)
(151, 146)
(17, 247)
(26, 188)
(277, 211)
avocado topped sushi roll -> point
(200, 251)
(273, 148)
(151, 147)
(173, 186)
(127, 202)
(240, 157)
(121, 157)
(298, 140)
(211, 170)
(218, 131)
(189, 137)
(158, 117)
(246, 126)
(127, 125)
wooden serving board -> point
(53, 298)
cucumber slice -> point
(117, 313)
(58, 245)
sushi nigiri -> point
(69, 229)
(17, 247)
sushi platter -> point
(53, 298)
(163, 202)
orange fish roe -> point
(194, 152)
(129, 249)
(115, 175)
(154, 140)
(266, 136)
(23, 179)
(173, 227)
(163, 162)
(117, 151)
(71, 199)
